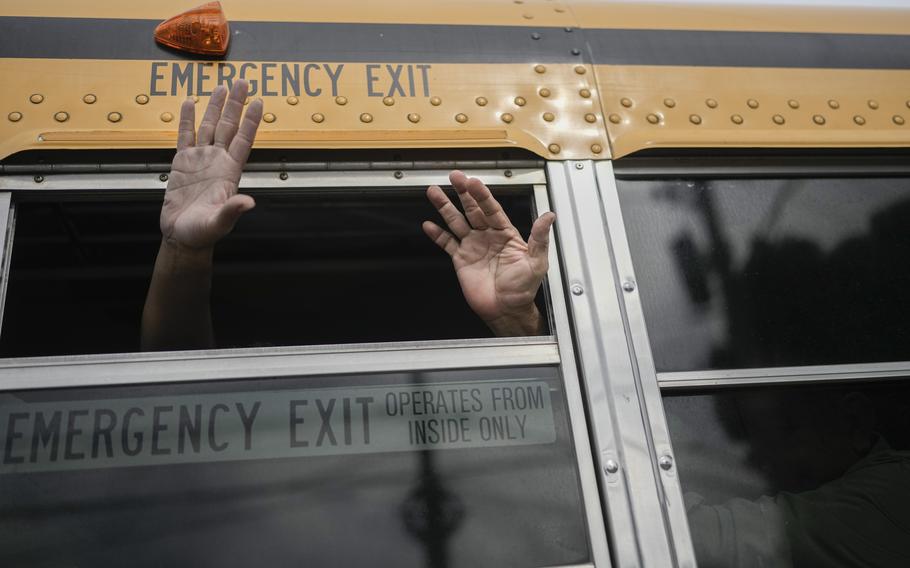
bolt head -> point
(39, 179)
(628, 286)
(163, 177)
(283, 176)
(611, 467)
(665, 463)
(399, 174)
(579, 166)
(507, 173)
(577, 289)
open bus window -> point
(303, 268)
(796, 477)
(739, 273)
(444, 468)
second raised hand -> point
(498, 271)
(201, 204)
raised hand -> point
(498, 271)
(201, 204)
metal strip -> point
(185, 366)
(586, 468)
(7, 231)
(274, 179)
(632, 498)
(675, 509)
(761, 167)
(784, 375)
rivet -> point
(520, 101)
(576, 51)
(166, 117)
(545, 92)
(519, 1)
(628, 286)
(590, 117)
(540, 69)
(834, 104)
(778, 119)
(341, 101)
(36, 99)
(711, 103)
(554, 148)
(653, 118)
(859, 120)
(414, 117)
(585, 93)
(507, 118)
(695, 119)
(669, 103)
(615, 118)
(908, 103)
(293, 101)
(794, 104)
(577, 290)
(61, 116)
(435, 101)
(142, 99)
(611, 467)
(318, 117)
(549, 116)
(559, 10)
(752, 103)
(283, 176)
(195, 99)
(535, 35)
(528, 16)
(665, 463)
(89, 99)
(580, 69)
(162, 177)
(398, 174)
(626, 102)
(38, 178)
(507, 173)
(898, 119)
(873, 104)
(366, 117)
(388, 101)
(818, 119)
(568, 30)
(14, 116)
(737, 119)
(597, 148)
(481, 101)
(115, 117)
(461, 117)
(269, 117)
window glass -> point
(454, 468)
(771, 272)
(796, 476)
(302, 268)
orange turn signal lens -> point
(202, 30)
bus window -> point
(795, 476)
(739, 273)
(438, 468)
(303, 268)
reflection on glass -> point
(482, 493)
(761, 273)
(798, 477)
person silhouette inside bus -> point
(498, 271)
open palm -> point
(498, 271)
(201, 204)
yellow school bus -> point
(721, 378)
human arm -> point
(499, 272)
(201, 206)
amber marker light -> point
(203, 30)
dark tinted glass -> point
(800, 476)
(764, 272)
(456, 468)
(300, 269)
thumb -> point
(230, 212)
(539, 241)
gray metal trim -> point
(656, 421)
(733, 167)
(632, 498)
(600, 550)
(303, 179)
(784, 375)
(7, 231)
(183, 366)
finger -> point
(186, 132)
(442, 238)
(493, 214)
(243, 141)
(231, 211)
(469, 204)
(452, 216)
(230, 118)
(211, 116)
(539, 241)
